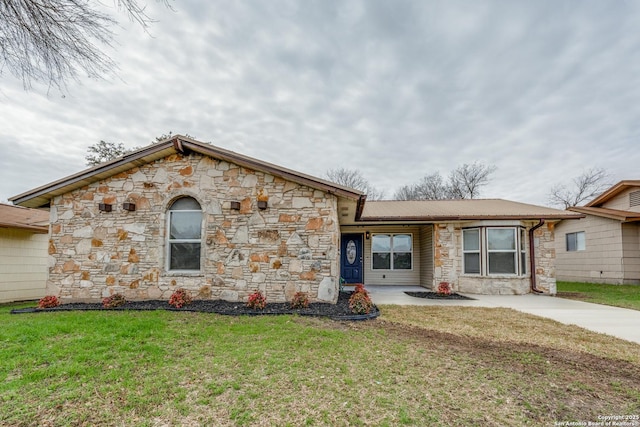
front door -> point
(351, 258)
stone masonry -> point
(447, 240)
(290, 246)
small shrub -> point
(444, 289)
(49, 301)
(257, 301)
(115, 300)
(300, 300)
(180, 298)
(360, 301)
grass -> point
(413, 366)
(626, 296)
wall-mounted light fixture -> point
(128, 206)
(262, 204)
(105, 207)
(235, 206)
(367, 235)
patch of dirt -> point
(584, 384)
(338, 310)
(572, 295)
(435, 295)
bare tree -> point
(464, 183)
(585, 187)
(104, 151)
(466, 180)
(54, 40)
(353, 178)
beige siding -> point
(426, 256)
(23, 265)
(621, 201)
(601, 261)
(631, 251)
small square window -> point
(576, 241)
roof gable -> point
(619, 215)
(178, 144)
(613, 192)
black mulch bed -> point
(434, 295)
(339, 311)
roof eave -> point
(457, 218)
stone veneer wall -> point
(290, 246)
(448, 265)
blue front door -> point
(351, 259)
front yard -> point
(412, 366)
(626, 296)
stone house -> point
(181, 213)
(23, 253)
(604, 246)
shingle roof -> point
(452, 210)
(24, 218)
(624, 216)
(41, 196)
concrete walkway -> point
(618, 322)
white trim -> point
(169, 240)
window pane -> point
(501, 239)
(185, 204)
(523, 262)
(185, 256)
(502, 263)
(580, 242)
(381, 261)
(472, 263)
(571, 242)
(402, 261)
(185, 225)
(471, 240)
(381, 243)
(402, 243)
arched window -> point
(184, 241)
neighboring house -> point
(181, 213)
(604, 247)
(23, 253)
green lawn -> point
(413, 366)
(627, 296)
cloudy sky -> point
(397, 89)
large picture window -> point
(494, 251)
(184, 229)
(576, 241)
(392, 251)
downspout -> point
(532, 257)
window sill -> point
(183, 273)
(495, 276)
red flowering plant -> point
(115, 300)
(49, 301)
(360, 301)
(257, 301)
(300, 300)
(180, 298)
(444, 289)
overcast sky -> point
(397, 89)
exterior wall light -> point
(262, 204)
(235, 206)
(105, 207)
(128, 206)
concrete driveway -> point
(618, 322)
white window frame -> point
(391, 252)
(578, 246)
(169, 240)
(468, 251)
(519, 252)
